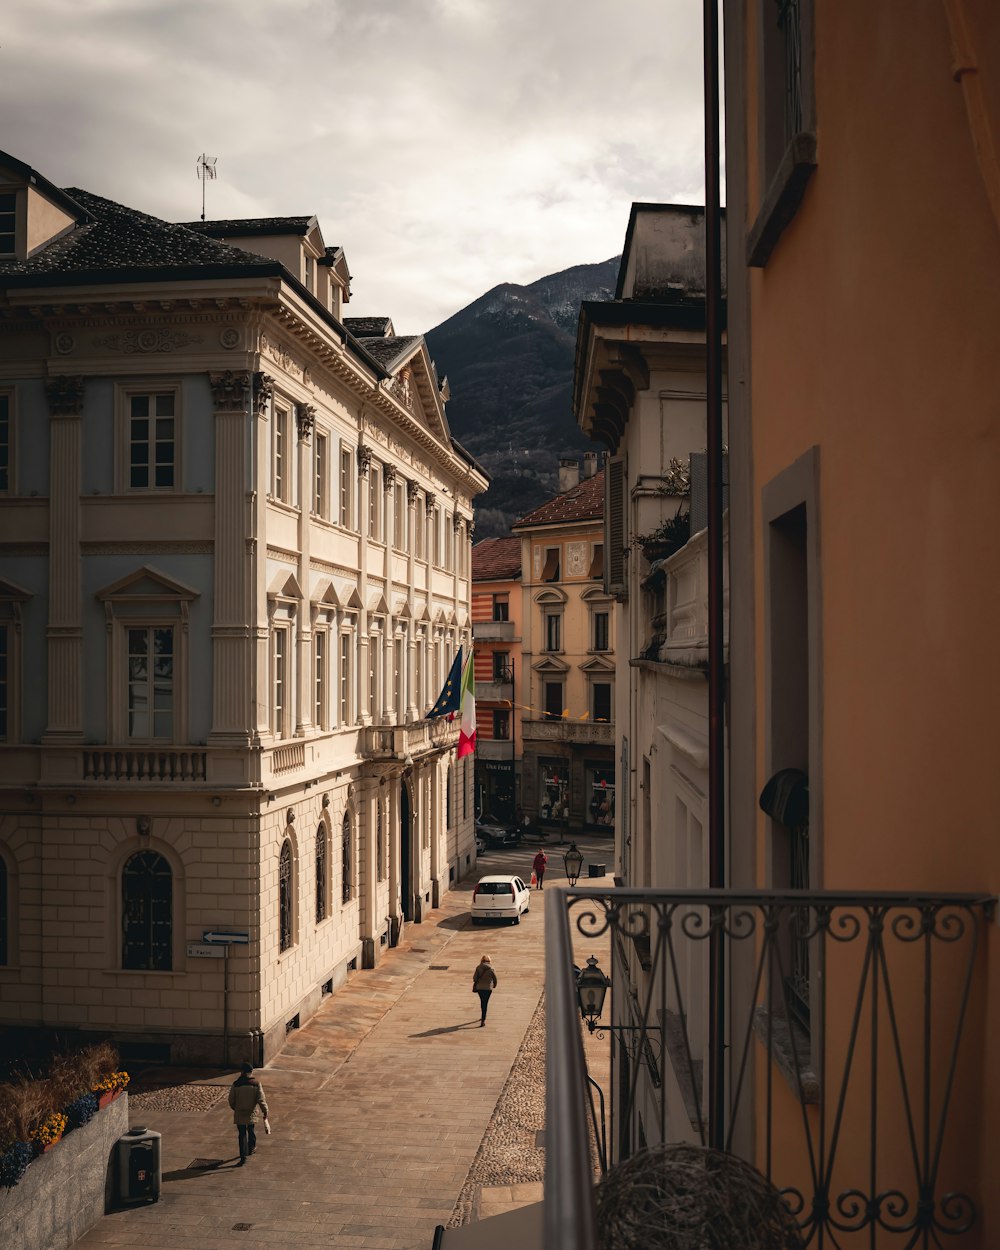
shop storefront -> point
(495, 789)
(553, 791)
(599, 782)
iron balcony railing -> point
(857, 1110)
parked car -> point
(500, 898)
(480, 842)
(496, 836)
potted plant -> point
(667, 538)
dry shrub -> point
(24, 1106)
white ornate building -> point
(234, 568)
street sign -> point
(227, 939)
(199, 951)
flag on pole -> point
(467, 727)
(449, 700)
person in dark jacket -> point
(246, 1097)
(484, 982)
(539, 864)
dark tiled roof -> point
(495, 559)
(369, 327)
(584, 502)
(253, 225)
(121, 239)
(387, 351)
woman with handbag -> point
(484, 981)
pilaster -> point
(65, 627)
(305, 420)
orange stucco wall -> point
(875, 337)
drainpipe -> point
(716, 673)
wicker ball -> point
(684, 1197)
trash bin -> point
(596, 870)
(139, 1173)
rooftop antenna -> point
(206, 172)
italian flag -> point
(467, 726)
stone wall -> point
(62, 1194)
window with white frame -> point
(449, 538)
(399, 518)
(418, 529)
(308, 272)
(346, 477)
(374, 502)
(418, 671)
(281, 454)
(436, 536)
(374, 669)
(321, 472)
(281, 679)
(6, 442)
(152, 451)
(151, 683)
(346, 677)
(399, 678)
(321, 682)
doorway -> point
(405, 850)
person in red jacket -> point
(538, 865)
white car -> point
(500, 898)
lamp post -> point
(573, 861)
(591, 988)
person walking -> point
(538, 865)
(246, 1097)
(484, 982)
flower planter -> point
(45, 1149)
(109, 1095)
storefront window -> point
(553, 790)
(601, 795)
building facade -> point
(234, 570)
(568, 647)
(496, 632)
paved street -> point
(379, 1104)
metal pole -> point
(225, 1005)
(716, 672)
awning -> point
(521, 1228)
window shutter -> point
(615, 530)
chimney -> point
(569, 473)
(589, 463)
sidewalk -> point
(379, 1104)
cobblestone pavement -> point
(380, 1105)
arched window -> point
(345, 857)
(285, 895)
(4, 911)
(147, 913)
(320, 872)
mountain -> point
(508, 358)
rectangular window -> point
(601, 700)
(374, 647)
(280, 459)
(399, 685)
(320, 473)
(418, 674)
(399, 519)
(151, 436)
(501, 666)
(309, 273)
(374, 501)
(553, 700)
(501, 607)
(501, 725)
(5, 443)
(449, 536)
(345, 679)
(279, 681)
(4, 682)
(553, 631)
(550, 573)
(418, 529)
(8, 223)
(151, 684)
(436, 524)
(319, 678)
(600, 631)
(345, 487)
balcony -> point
(144, 765)
(495, 749)
(583, 732)
(678, 631)
(854, 1115)
(395, 742)
(494, 691)
(494, 631)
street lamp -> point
(573, 860)
(591, 988)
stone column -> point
(239, 398)
(366, 713)
(411, 676)
(65, 628)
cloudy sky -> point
(446, 145)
